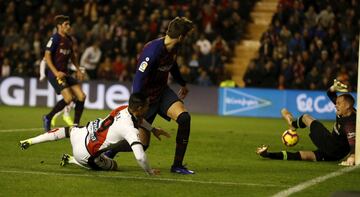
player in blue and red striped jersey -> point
(156, 61)
(59, 50)
(334, 146)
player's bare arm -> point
(156, 131)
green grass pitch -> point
(221, 150)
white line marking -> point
(312, 182)
(18, 130)
(141, 178)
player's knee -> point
(183, 133)
(82, 97)
(68, 100)
(184, 118)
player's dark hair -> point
(137, 100)
(348, 98)
(60, 19)
(179, 26)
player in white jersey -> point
(90, 142)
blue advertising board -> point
(256, 102)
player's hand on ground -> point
(183, 92)
(350, 161)
(154, 172)
(338, 86)
(158, 132)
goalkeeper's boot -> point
(181, 170)
(68, 120)
(288, 117)
(65, 159)
(46, 123)
(25, 144)
(262, 150)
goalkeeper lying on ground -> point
(334, 146)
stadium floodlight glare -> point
(357, 145)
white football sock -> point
(52, 135)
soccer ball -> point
(290, 138)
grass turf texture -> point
(221, 150)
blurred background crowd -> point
(308, 44)
(109, 34)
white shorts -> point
(81, 154)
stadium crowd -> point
(308, 44)
(109, 34)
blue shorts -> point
(59, 85)
(162, 105)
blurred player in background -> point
(59, 50)
(90, 142)
(67, 109)
(331, 146)
(156, 61)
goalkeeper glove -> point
(338, 86)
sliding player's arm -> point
(156, 131)
(139, 153)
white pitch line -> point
(18, 130)
(142, 178)
(312, 182)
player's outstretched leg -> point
(292, 122)
(24, 144)
(262, 150)
(289, 118)
(282, 155)
(52, 135)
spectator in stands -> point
(90, 59)
(119, 68)
(105, 70)
(119, 26)
(251, 78)
(5, 68)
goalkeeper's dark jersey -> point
(344, 127)
(153, 67)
